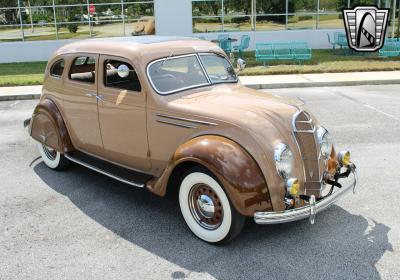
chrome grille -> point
(306, 138)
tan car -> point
(166, 114)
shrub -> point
(305, 18)
(72, 27)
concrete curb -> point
(322, 84)
(19, 97)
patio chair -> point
(226, 45)
(331, 41)
(244, 45)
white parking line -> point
(381, 112)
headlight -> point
(283, 160)
(325, 141)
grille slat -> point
(306, 138)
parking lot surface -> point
(78, 224)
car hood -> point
(258, 112)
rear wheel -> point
(53, 159)
(207, 209)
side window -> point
(121, 75)
(83, 69)
(57, 68)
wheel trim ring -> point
(50, 153)
(207, 223)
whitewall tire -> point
(53, 159)
(206, 207)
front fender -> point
(47, 126)
(234, 167)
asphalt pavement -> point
(78, 224)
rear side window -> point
(83, 69)
(121, 75)
(57, 68)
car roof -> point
(147, 47)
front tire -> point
(53, 159)
(206, 208)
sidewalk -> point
(322, 80)
(259, 82)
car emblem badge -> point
(365, 27)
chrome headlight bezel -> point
(284, 160)
(325, 142)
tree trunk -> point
(398, 22)
(30, 16)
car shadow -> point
(339, 246)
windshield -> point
(173, 74)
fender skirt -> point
(47, 127)
(236, 170)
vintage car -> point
(165, 113)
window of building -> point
(269, 15)
(113, 79)
(83, 69)
(52, 20)
(57, 68)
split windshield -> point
(173, 74)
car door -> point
(80, 103)
(122, 113)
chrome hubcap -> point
(50, 153)
(205, 206)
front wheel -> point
(53, 159)
(207, 209)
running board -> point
(116, 172)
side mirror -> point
(241, 64)
(123, 71)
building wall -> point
(175, 18)
(172, 19)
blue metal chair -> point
(226, 45)
(244, 45)
(331, 41)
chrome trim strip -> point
(185, 119)
(307, 211)
(176, 124)
(103, 172)
(204, 69)
(304, 131)
(309, 121)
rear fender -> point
(47, 127)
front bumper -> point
(308, 211)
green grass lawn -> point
(22, 74)
(323, 61)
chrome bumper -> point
(308, 211)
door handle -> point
(100, 97)
(90, 94)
